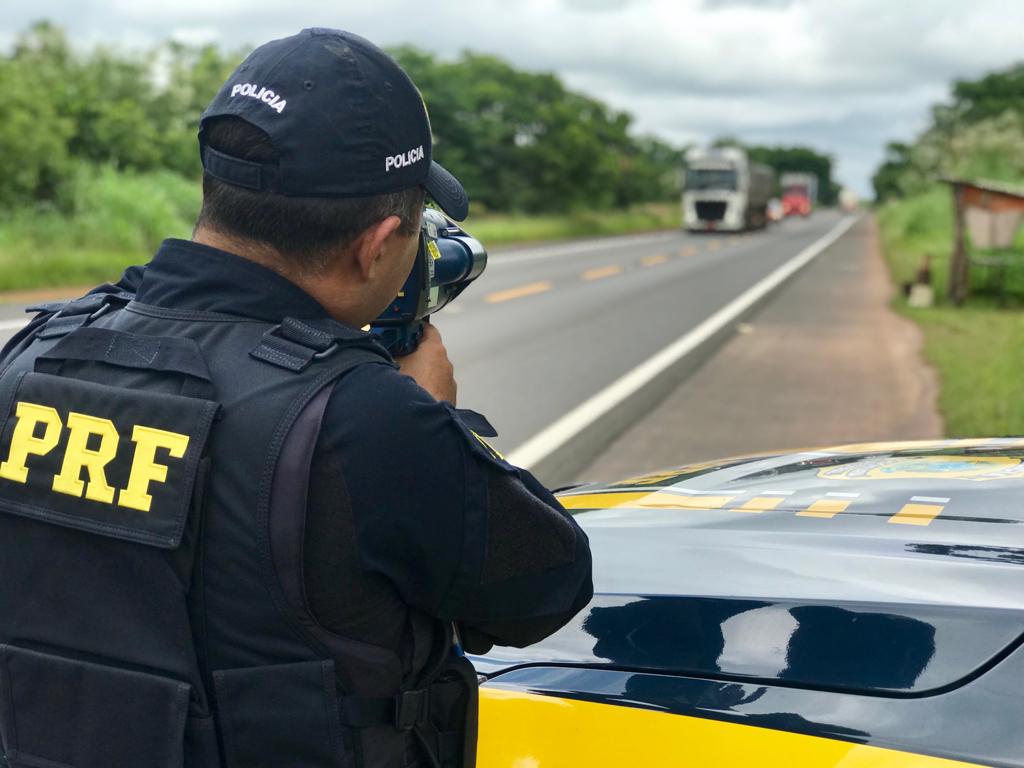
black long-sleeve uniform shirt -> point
(411, 516)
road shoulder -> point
(827, 361)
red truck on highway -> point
(799, 193)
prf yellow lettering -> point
(24, 442)
(144, 467)
(77, 456)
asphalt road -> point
(545, 328)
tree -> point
(978, 134)
(518, 140)
(523, 141)
(990, 96)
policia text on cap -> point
(233, 531)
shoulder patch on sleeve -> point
(472, 426)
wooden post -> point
(958, 267)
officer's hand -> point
(430, 367)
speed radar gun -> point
(447, 261)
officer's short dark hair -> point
(301, 229)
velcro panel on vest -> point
(108, 460)
(59, 711)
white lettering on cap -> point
(414, 155)
(260, 93)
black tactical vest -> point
(153, 472)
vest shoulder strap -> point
(295, 344)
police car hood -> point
(888, 568)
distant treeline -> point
(978, 134)
(520, 141)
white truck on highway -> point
(725, 191)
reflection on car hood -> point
(910, 552)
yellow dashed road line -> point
(601, 272)
(517, 293)
(688, 251)
(653, 261)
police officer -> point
(233, 531)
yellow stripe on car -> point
(761, 504)
(825, 508)
(830, 506)
(643, 500)
(525, 730)
(921, 510)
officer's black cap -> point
(345, 120)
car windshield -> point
(711, 178)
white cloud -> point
(842, 76)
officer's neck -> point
(262, 253)
(332, 296)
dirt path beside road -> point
(826, 362)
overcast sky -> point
(843, 76)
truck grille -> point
(710, 210)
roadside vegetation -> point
(121, 217)
(100, 162)
(978, 348)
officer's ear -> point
(372, 244)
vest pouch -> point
(450, 734)
(58, 712)
(279, 715)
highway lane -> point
(525, 358)
(546, 327)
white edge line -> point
(547, 441)
(12, 325)
(930, 499)
(836, 495)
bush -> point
(104, 221)
(917, 226)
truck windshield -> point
(707, 178)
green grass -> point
(915, 227)
(507, 228)
(979, 355)
(120, 218)
(977, 349)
